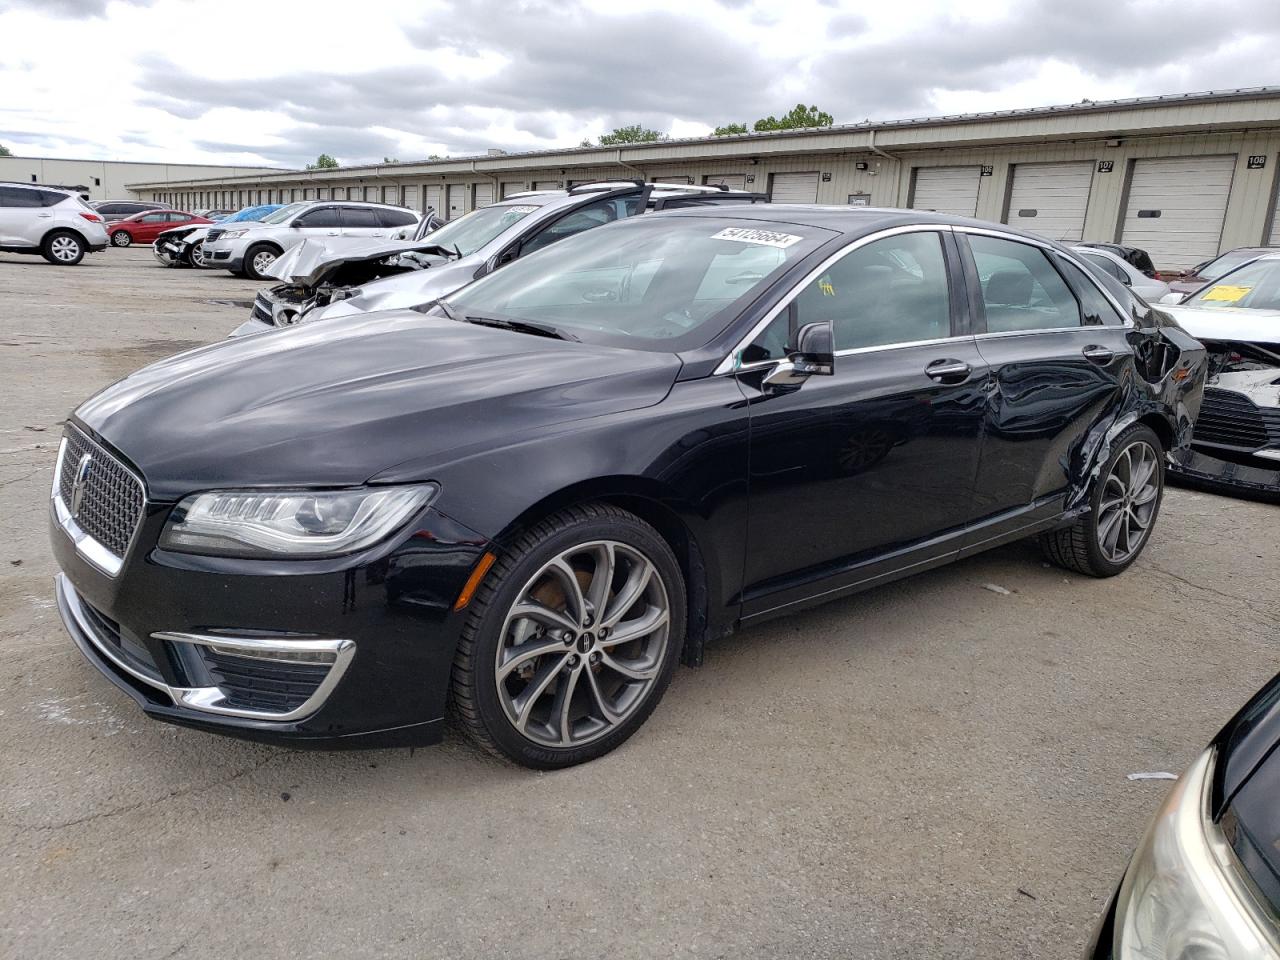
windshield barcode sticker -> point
(525, 209)
(766, 238)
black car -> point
(1205, 880)
(113, 210)
(532, 498)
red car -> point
(145, 227)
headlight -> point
(1181, 898)
(290, 523)
(232, 234)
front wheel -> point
(121, 238)
(63, 248)
(195, 254)
(1122, 509)
(258, 259)
(572, 639)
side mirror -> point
(1171, 297)
(814, 355)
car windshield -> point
(284, 213)
(1255, 286)
(471, 232)
(1226, 263)
(656, 282)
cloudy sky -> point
(279, 81)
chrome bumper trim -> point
(212, 699)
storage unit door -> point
(684, 180)
(371, 194)
(546, 185)
(433, 200)
(1273, 237)
(1050, 198)
(411, 197)
(512, 186)
(734, 181)
(484, 195)
(947, 190)
(794, 188)
(391, 195)
(1176, 207)
(455, 197)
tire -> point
(195, 255)
(121, 238)
(255, 253)
(1118, 507)
(63, 248)
(486, 692)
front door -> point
(1058, 355)
(870, 471)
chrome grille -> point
(1231, 419)
(111, 501)
(214, 234)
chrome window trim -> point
(86, 546)
(1069, 254)
(728, 366)
(210, 699)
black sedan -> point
(532, 499)
(1204, 883)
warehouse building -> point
(109, 179)
(1182, 176)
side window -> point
(1107, 264)
(49, 198)
(1098, 310)
(177, 217)
(359, 217)
(592, 215)
(324, 217)
(1020, 287)
(155, 218)
(890, 291)
(396, 218)
(15, 197)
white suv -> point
(56, 224)
(249, 248)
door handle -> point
(1096, 354)
(44, 215)
(948, 371)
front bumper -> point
(1196, 468)
(171, 632)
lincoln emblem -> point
(77, 485)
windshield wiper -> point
(519, 326)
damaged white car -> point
(1236, 445)
(184, 246)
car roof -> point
(850, 221)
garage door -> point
(483, 195)
(391, 195)
(734, 181)
(947, 190)
(546, 185)
(1050, 198)
(433, 201)
(794, 188)
(454, 194)
(684, 180)
(512, 186)
(1176, 208)
(411, 197)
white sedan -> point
(1148, 288)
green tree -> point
(730, 128)
(800, 116)
(4, 151)
(632, 134)
(586, 142)
(436, 156)
(323, 162)
(385, 160)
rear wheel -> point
(1123, 509)
(63, 248)
(572, 639)
(257, 259)
(121, 238)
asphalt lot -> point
(933, 769)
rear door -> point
(869, 471)
(1057, 352)
(362, 222)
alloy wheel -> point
(1128, 503)
(197, 254)
(262, 260)
(583, 644)
(121, 239)
(65, 249)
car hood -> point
(310, 262)
(404, 290)
(1227, 323)
(189, 232)
(335, 404)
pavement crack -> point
(1221, 594)
(145, 804)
